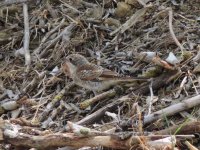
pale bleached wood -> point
(173, 109)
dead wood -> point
(157, 40)
(99, 113)
(88, 102)
(56, 99)
(10, 2)
(13, 134)
(79, 137)
(184, 128)
(26, 36)
(61, 140)
(168, 111)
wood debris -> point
(41, 105)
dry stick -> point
(151, 99)
(88, 102)
(129, 23)
(48, 35)
(185, 104)
(193, 82)
(172, 32)
(87, 4)
(183, 82)
(143, 3)
(11, 134)
(185, 129)
(54, 141)
(56, 99)
(140, 124)
(6, 15)
(26, 36)
(10, 2)
(78, 131)
(190, 146)
(99, 113)
(67, 32)
(33, 84)
(69, 6)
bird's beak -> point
(66, 68)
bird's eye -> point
(70, 59)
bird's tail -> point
(130, 79)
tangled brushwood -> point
(111, 74)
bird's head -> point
(71, 63)
(76, 60)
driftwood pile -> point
(42, 108)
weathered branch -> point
(26, 35)
(10, 2)
(184, 128)
(27, 137)
(171, 110)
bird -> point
(91, 76)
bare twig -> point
(49, 34)
(87, 4)
(99, 113)
(181, 87)
(129, 23)
(10, 2)
(189, 74)
(151, 99)
(190, 146)
(56, 99)
(69, 6)
(143, 3)
(67, 32)
(99, 97)
(26, 36)
(172, 32)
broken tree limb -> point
(27, 137)
(14, 135)
(173, 109)
(63, 139)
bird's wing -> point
(94, 72)
(108, 74)
(89, 72)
